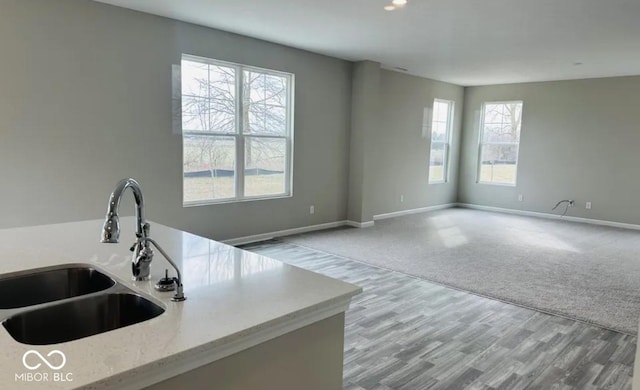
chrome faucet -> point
(142, 252)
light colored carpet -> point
(585, 272)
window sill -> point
(234, 200)
(438, 182)
(497, 184)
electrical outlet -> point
(401, 198)
(520, 198)
(312, 209)
(588, 206)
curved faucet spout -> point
(111, 227)
(142, 252)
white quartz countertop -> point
(235, 300)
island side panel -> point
(309, 358)
(636, 369)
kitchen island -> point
(249, 322)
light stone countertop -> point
(235, 300)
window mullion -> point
(447, 158)
(208, 115)
(479, 160)
(200, 133)
(240, 133)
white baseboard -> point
(280, 233)
(289, 232)
(359, 224)
(550, 216)
(330, 225)
(414, 211)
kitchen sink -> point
(41, 286)
(79, 318)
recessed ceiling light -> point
(389, 8)
(399, 3)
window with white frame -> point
(237, 131)
(440, 140)
(500, 129)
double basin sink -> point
(68, 302)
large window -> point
(237, 131)
(499, 142)
(440, 140)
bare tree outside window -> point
(236, 131)
(499, 142)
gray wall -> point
(85, 100)
(401, 154)
(580, 139)
(365, 108)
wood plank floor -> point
(408, 333)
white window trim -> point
(480, 144)
(447, 143)
(240, 136)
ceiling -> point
(466, 42)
